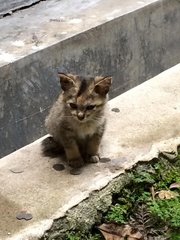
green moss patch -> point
(149, 202)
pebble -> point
(58, 167)
(23, 215)
(76, 171)
(115, 110)
(104, 160)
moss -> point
(80, 236)
(137, 194)
(167, 211)
(127, 199)
(118, 213)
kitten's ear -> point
(67, 81)
(102, 85)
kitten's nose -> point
(80, 116)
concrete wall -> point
(131, 48)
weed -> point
(137, 205)
(137, 194)
(82, 236)
(167, 211)
(175, 235)
(117, 213)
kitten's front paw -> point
(93, 159)
(76, 162)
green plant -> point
(175, 235)
(83, 236)
(117, 213)
(168, 211)
(143, 177)
(139, 205)
(71, 236)
(166, 173)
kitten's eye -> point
(73, 105)
(90, 107)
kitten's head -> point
(84, 97)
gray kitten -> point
(77, 121)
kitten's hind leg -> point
(51, 148)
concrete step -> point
(148, 121)
(130, 40)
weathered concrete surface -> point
(7, 6)
(148, 122)
(87, 213)
(51, 21)
(130, 40)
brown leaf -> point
(175, 185)
(166, 194)
(113, 231)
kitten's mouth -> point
(81, 119)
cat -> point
(76, 121)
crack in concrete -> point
(26, 5)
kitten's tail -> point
(51, 148)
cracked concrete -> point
(148, 122)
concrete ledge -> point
(130, 40)
(148, 122)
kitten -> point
(76, 121)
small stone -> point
(115, 110)
(28, 216)
(23, 215)
(58, 167)
(76, 171)
(104, 160)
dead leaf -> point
(166, 194)
(113, 231)
(175, 185)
